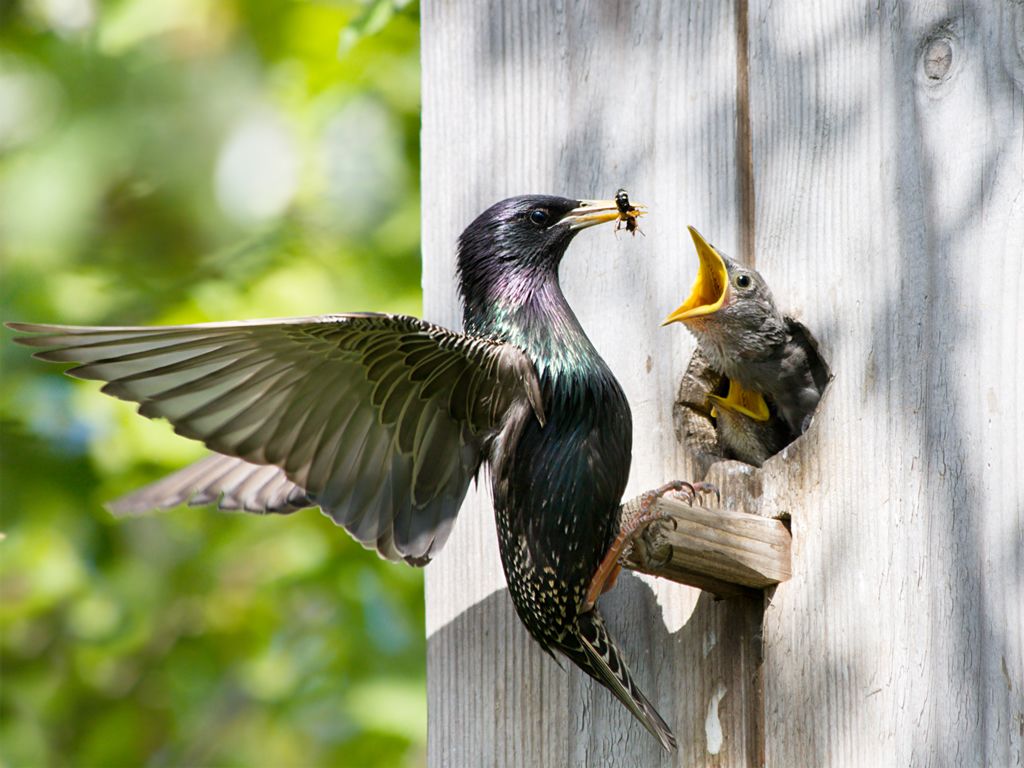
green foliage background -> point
(194, 637)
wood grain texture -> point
(890, 213)
(580, 98)
(724, 552)
(888, 208)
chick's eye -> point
(539, 217)
(742, 281)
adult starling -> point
(746, 429)
(382, 421)
(731, 313)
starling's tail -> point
(604, 663)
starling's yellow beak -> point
(741, 400)
(708, 292)
(591, 212)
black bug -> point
(628, 213)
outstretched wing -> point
(229, 482)
(380, 419)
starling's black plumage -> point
(382, 421)
(556, 486)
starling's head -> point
(728, 302)
(522, 239)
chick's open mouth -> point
(710, 287)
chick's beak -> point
(591, 212)
(741, 400)
(708, 292)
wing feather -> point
(380, 420)
(221, 480)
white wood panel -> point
(579, 98)
(889, 213)
(890, 219)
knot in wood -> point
(938, 58)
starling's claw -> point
(693, 493)
(703, 488)
(649, 547)
(608, 570)
(680, 488)
(686, 495)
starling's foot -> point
(608, 571)
(693, 493)
(680, 488)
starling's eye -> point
(742, 281)
(539, 217)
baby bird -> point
(731, 313)
(746, 428)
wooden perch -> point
(724, 552)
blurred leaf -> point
(390, 706)
(375, 16)
(195, 637)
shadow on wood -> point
(587, 726)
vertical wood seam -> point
(744, 138)
(755, 703)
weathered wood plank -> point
(582, 98)
(890, 213)
(888, 209)
(724, 552)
